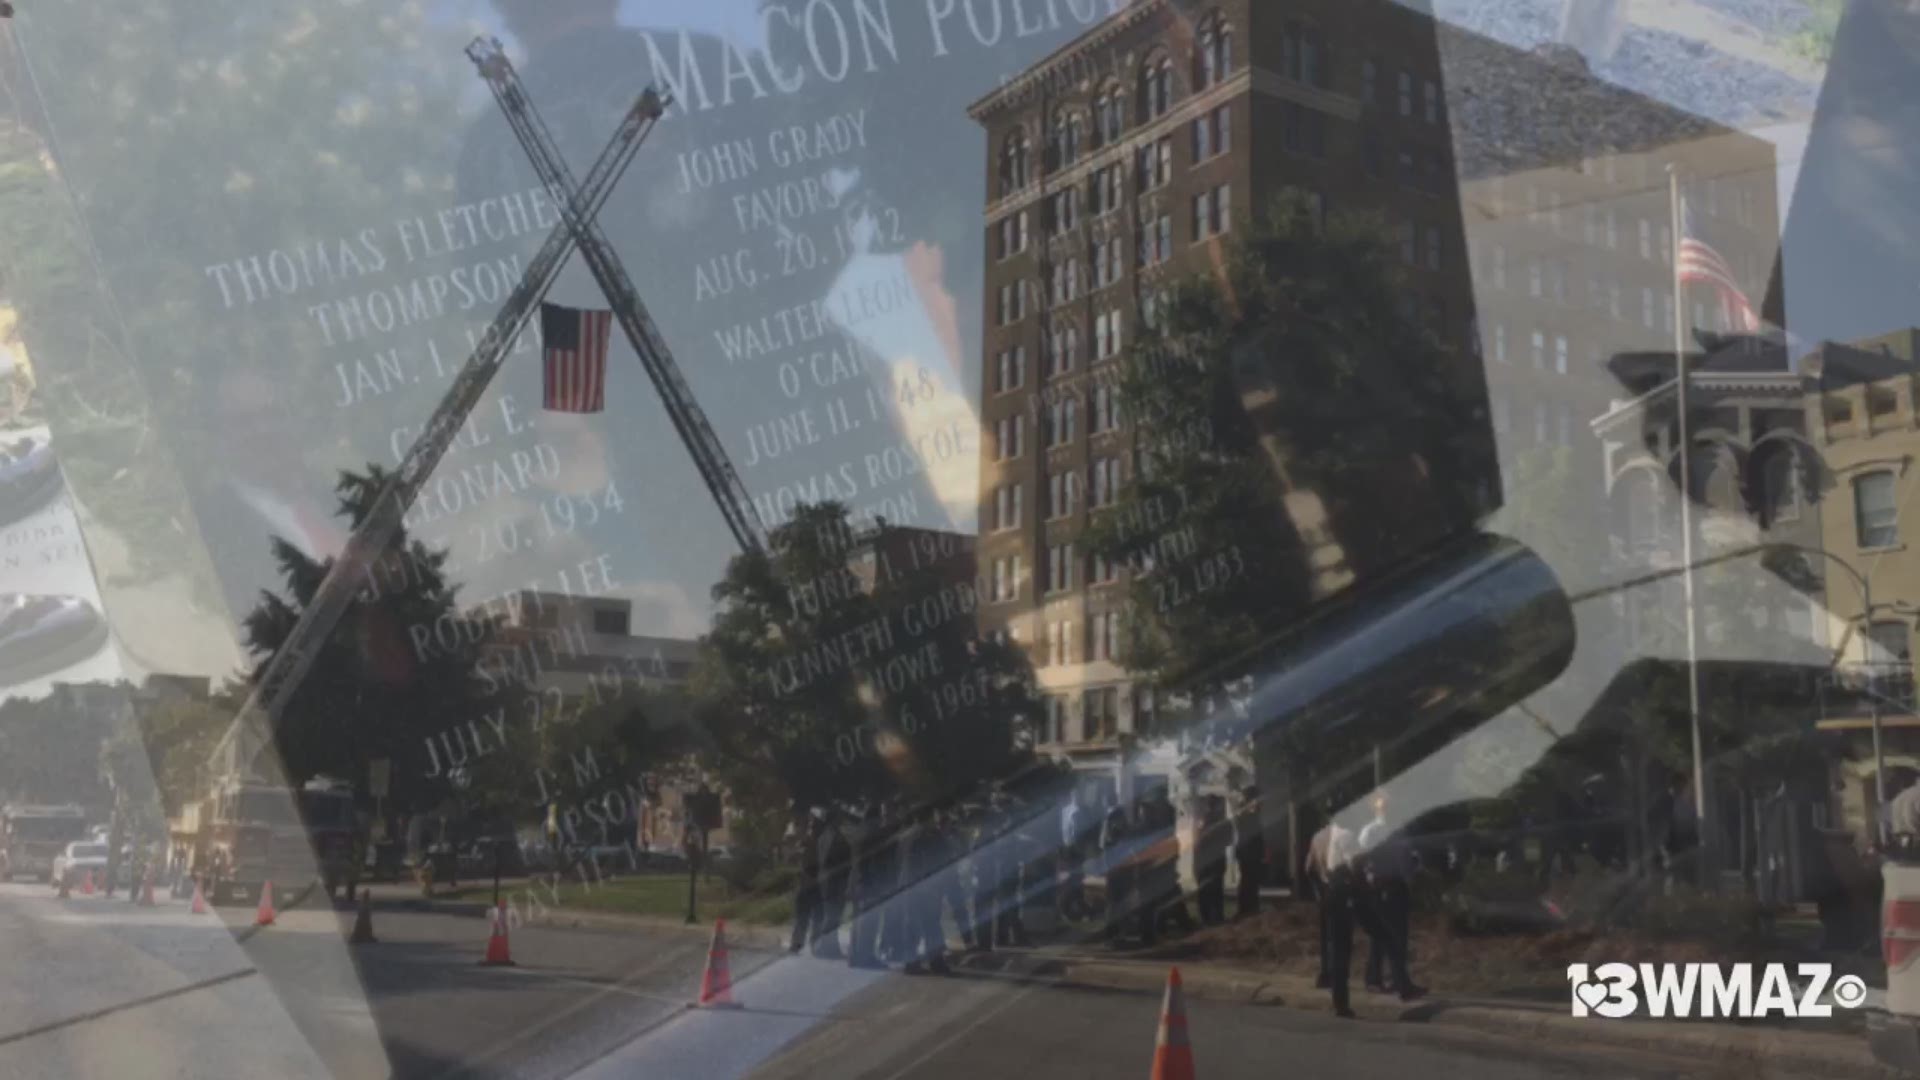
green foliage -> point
(1815, 40)
(1291, 374)
(370, 693)
(803, 688)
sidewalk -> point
(1828, 1053)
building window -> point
(1064, 416)
(1876, 511)
(1059, 568)
(1212, 133)
(1646, 306)
(1499, 266)
(1013, 303)
(1212, 213)
(1646, 239)
(1013, 234)
(1109, 116)
(1106, 409)
(1539, 351)
(1059, 643)
(1106, 482)
(1533, 278)
(1890, 662)
(1014, 164)
(1560, 353)
(1304, 131)
(1063, 494)
(1431, 97)
(1369, 82)
(1433, 247)
(1010, 436)
(1153, 164)
(1409, 243)
(1064, 209)
(1104, 571)
(1106, 335)
(1156, 241)
(1500, 342)
(1007, 500)
(1156, 88)
(1406, 93)
(1216, 54)
(1057, 718)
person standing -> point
(835, 856)
(921, 862)
(806, 892)
(1011, 851)
(1211, 844)
(865, 889)
(980, 869)
(1337, 907)
(1389, 871)
(948, 892)
(1160, 873)
(1249, 853)
(1314, 879)
(1074, 821)
(1116, 834)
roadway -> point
(91, 987)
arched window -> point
(1109, 116)
(1014, 164)
(1069, 133)
(1214, 60)
(1156, 87)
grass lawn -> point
(661, 895)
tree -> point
(816, 685)
(373, 692)
(1289, 372)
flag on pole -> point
(576, 358)
(1700, 262)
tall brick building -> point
(1128, 158)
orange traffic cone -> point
(1172, 1053)
(199, 900)
(264, 916)
(716, 983)
(498, 955)
(86, 884)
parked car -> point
(77, 859)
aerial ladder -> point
(689, 420)
(252, 727)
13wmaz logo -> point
(1710, 990)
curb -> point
(752, 936)
(1821, 1053)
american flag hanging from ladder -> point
(1700, 262)
(575, 358)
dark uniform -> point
(1249, 854)
(1210, 861)
(806, 891)
(867, 891)
(1010, 854)
(980, 871)
(835, 855)
(1116, 836)
(922, 859)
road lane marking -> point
(126, 1005)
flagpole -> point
(1681, 381)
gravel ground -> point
(1685, 72)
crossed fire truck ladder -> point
(581, 203)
